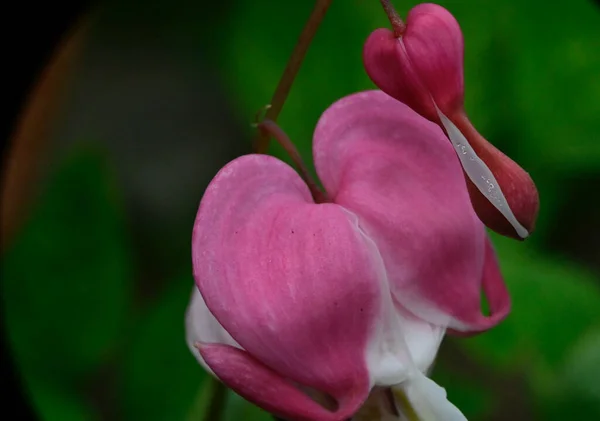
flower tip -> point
(502, 193)
(521, 196)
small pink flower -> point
(342, 298)
(421, 65)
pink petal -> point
(294, 283)
(400, 175)
(425, 63)
(494, 287)
(258, 383)
(435, 46)
(387, 64)
(495, 292)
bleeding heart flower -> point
(421, 65)
(352, 293)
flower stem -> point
(217, 402)
(209, 402)
(395, 19)
(269, 128)
(261, 143)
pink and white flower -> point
(348, 297)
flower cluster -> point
(330, 307)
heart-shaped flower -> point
(421, 65)
(341, 298)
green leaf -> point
(160, 375)
(68, 275)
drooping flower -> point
(421, 65)
(352, 295)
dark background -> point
(96, 270)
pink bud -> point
(343, 296)
(423, 68)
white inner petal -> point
(480, 174)
(427, 399)
(201, 326)
(422, 338)
(400, 343)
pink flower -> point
(421, 65)
(342, 298)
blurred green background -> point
(97, 281)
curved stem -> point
(261, 143)
(269, 128)
(395, 19)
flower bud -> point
(423, 68)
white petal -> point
(480, 174)
(422, 338)
(400, 343)
(427, 399)
(201, 326)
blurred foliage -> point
(532, 87)
(160, 381)
(540, 339)
(473, 400)
(70, 271)
(68, 278)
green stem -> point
(217, 402)
(210, 409)
(261, 143)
